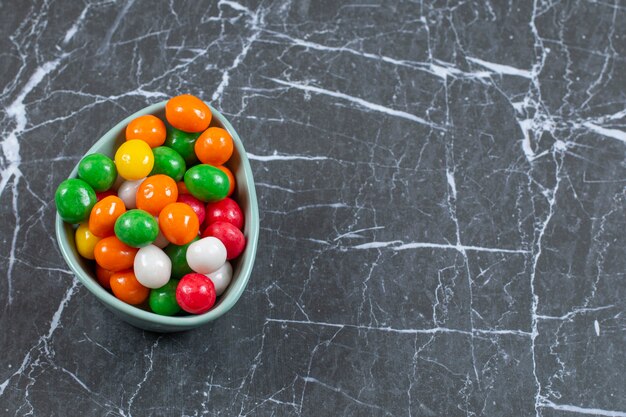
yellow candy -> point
(85, 241)
(134, 159)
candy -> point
(231, 179)
(104, 276)
(195, 204)
(206, 183)
(128, 193)
(182, 188)
(214, 146)
(125, 286)
(155, 193)
(163, 300)
(104, 214)
(188, 113)
(222, 277)
(206, 255)
(74, 199)
(178, 256)
(179, 223)
(168, 162)
(229, 235)
(160, 241)
(136, 228)
(195, 293)
(85, 241)
(152, 267)
(147, 128)
(183, 143)
(113, 254)
(226, 210)
(103, 194)
(97, 170)
(134, 159)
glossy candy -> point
(147, 128)
(152, 267)
(195, 293)
(136, 228)
(163, 300)
(113, 254)
(229, 235)
(183, 143)
(104, 276)
(222, 277)
(179, 223)
(103, 194)
(128, 193)
(168, 162)
(226, 210)
(125, 286)
(85, 241)
(206, 183)
(74, 199)
(214, 146)
(182, 188)
(155, 193)
(104, 214)
(231, 179)
(160, 241)
(98, 171)
(178, 256)
(206, 255)
(188, 113)
(195, 204)
(134, 159)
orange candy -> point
(125, 286)
(155, 193)
(188, 113)
(148, 128)
(182, 188)
(231, 179)
(104, 276)
(214, 146)
(104, 214)
(114, 255)
(179, 223)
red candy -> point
(195, 293)
(104, 194)
(230, 236)
(226, 210)
(196, 205)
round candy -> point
(148, 128)
(134, 159)
(188, 113)
(163, 300)
(114, 255)
(160, 241)
(104, 214)
(136, 228)
(168, 162)
(195, 293)
(231, 179)
(125, 286)
(206, 183)
(195, 204)
(183, 143)
(152, 267)
(226, 210)
(155, 193)
(178, 256)
(85, 241)
(103, 194)
(104, 276)
(206, 255)
(74, 199)
(128, 193)
(97, 170)
(179, 223)
(229, 235)
(182, 188)
(214, 146)
(222, 277)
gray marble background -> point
(441, 188)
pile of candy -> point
(140, 215)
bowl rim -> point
(237, 286)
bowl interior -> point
(244, 194)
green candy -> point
(183, 143)
(136, 228)
(168, 162)
(97, 170)
(178, 256)
(74, 199)
(163, 300)
(207, 183)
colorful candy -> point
(183, 143)
(196, 205)
(206, 183)
(231, 179)
(195, 293)
(214, 146)
(206, 255)
(74, 199)
(222, 277)
(85, 241)
(179, 223)
(136, 228)
(229, 235)
(163, 300)
(104, 215)
(134, 159)
(125, 286)
(188, 113)
(128, 193)
(148, 128)
(104, 276)
(155, 193)
(168, 162)
(152, 267)
(226, 210)
(97, 170)
(112, 254)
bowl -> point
(245, 195)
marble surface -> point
(441, 188)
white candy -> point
(206, 255)
(160, 241)
(152, 267)
(221, 278)
(128, 193)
